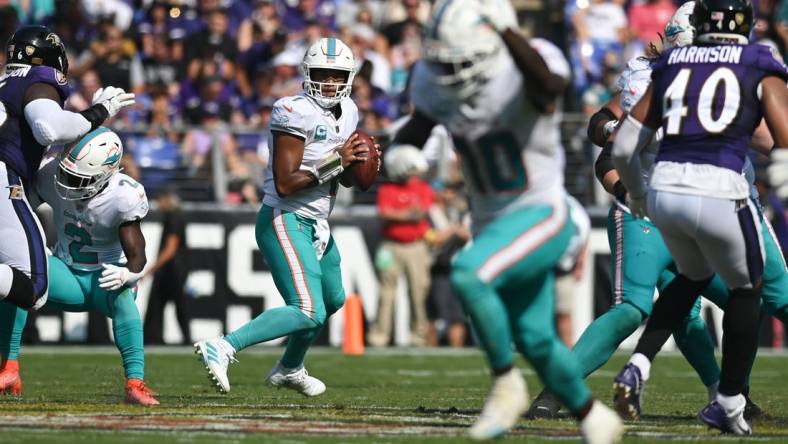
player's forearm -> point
(53, 125)
(294, 182)
(136, 261)
(631, 138)
(532, 66)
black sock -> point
(673, 305)
(502, 370)
(740, 328)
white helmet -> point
(459, 45)
(404, 160)
(88, 165)
(328, 53)
(679, 30)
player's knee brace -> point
(22, 294)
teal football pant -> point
(311, 287)
(640, 263)
(505, 282)
(78, 291)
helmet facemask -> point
(327, 94)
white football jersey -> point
(511, 153)
(87, 231)
(322, 133)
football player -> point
(32, 92)
(708, 98)
(99, 255)
(313, 145)
(641, 261)
(497, 94)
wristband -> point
(326, 168)
(620, 191)
(96, 115)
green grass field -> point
(389, 396)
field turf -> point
(397, 396)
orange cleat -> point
(10, 381)
(138, 393)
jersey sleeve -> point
(553, 57)
(768, 62)
(50, 76)
(287, 118)
(132, 201)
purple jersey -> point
(709, 101)
(18, 148)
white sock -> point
(731, 403)
(6, 278)
(640, 361)
(712, 389)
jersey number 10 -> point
(675, 101)
(494, 162)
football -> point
(365, 173)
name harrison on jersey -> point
(706, 54)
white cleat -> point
(295, 379)
(601, 426)
(508, 400)
(216, 355)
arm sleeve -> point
(604, 163)
(631, 138)
(53, 125)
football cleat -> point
(545, 406)
(137, 393)
(752, 410)
(10, 380)
(601, 426)
(216, 355)
(508, 400)
(627, 391)
(714, 415)
(295, 379)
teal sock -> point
(488, 314)
(128, 339)
(297, 346)
(271, 324)
(12, 323)
(601, 339)
(695, 343)
(127, 328)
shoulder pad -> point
(130, 198)
(769, 61)
(50, 76)
(288, 116)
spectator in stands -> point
(115, 61)
(286, 78)
(260, 26)
(451, 222)
(370, 48)
(34, 11)
(647, 19)
(296, 18)
(158, 26)
(82, 96)
(403, 206)
(198, 142)
(160, 66)
(600, 28)
(118, 12)
(415, 15)
(213, 45)
(169, 272)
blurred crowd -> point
(206, 72)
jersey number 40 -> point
(675, 101)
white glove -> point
(499, 14)
(778, 171)
(637, 206)
(114, 277)
(113, 99)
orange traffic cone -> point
(353, 343)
